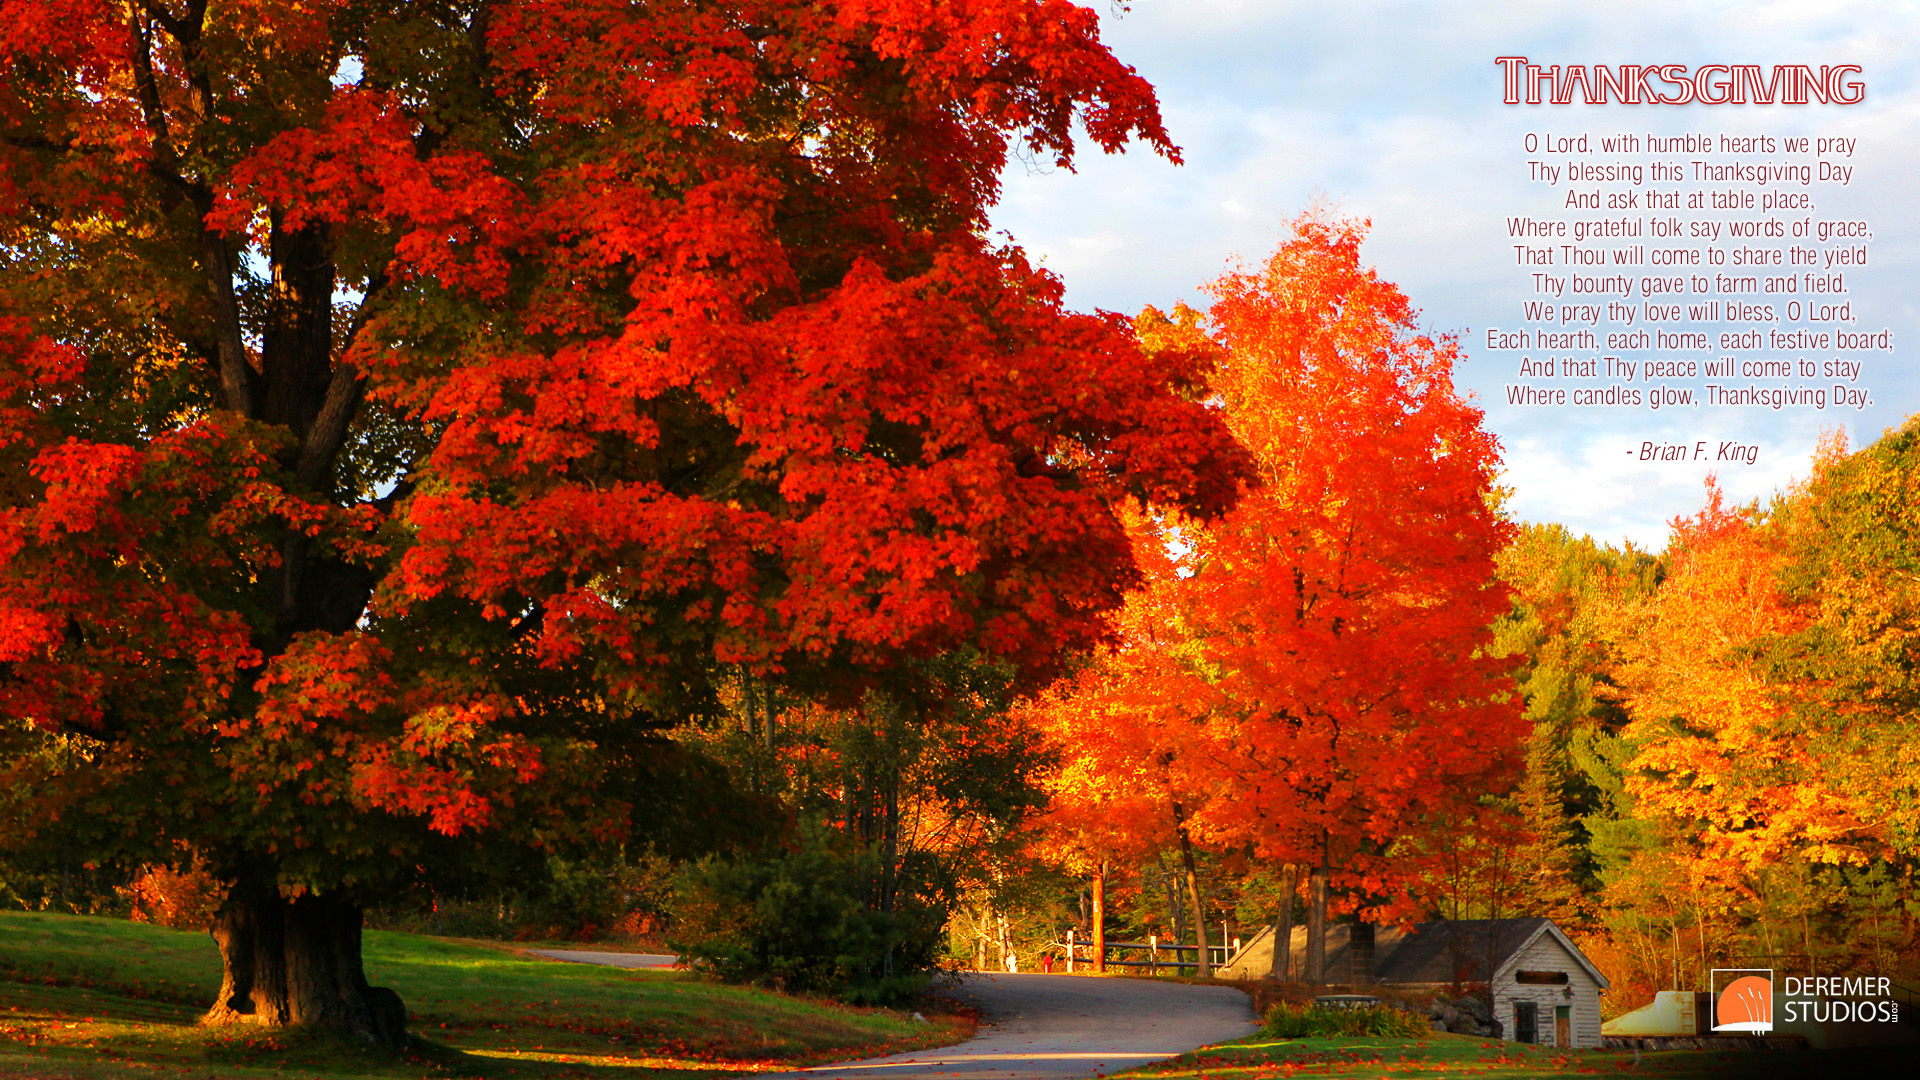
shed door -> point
(1526, 1026)
(1563, 1025)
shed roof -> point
(1429, 953)
(1464, 950)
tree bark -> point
(1205, 970)
(1316, 972)
(1176, 909)
(297, 963)
(1283, 922)
(1100, 918)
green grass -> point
(91, 997)
(1441, 1055)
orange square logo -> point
(1742, 1000)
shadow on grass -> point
(87, 998)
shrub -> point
(1286, 1021)
(812, 917)
(178, 899)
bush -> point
(178, 899)
(589, 900)
(812, 918)
(1286, 1021)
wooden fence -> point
(1152, 954)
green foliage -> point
(813, 917)
(896, 805)
(587, 899)
(70, 889)
(1559, 634)
(1854, 541)
(1286, 1021)
(581, 900)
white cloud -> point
(1391, 110)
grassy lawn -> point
(88, 997)
(1466, 1056)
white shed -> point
(1544, 989)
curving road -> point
(1059, 1027)
(1038, 1027)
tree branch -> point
(148, 88)
(328, 432)
(236, 376)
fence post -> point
(1153, 954)
(1069, 950)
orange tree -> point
(407, 407)
(1122, 790)
(1331, 678)
(1348, 604)
(1769, 684)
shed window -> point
(1548, 978)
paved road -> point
(1058, 1027)
(1037, 1027)
(610, 959)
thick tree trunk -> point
(1100, 918)
(1283, 922)
(297, 962)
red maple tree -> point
(405, 408)
(1350, 603)
(1321, 677)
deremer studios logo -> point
(1744, 1000)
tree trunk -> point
(1199, 921)
(1176, 911)
(982, 923)
(1193, 895)
(297, 962)
(1283, 922)
(1100, 919)
(1316, 972)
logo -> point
(1742, 1000)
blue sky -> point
(1392, 111)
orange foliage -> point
(180, 899)
(1717, 749)
(1124, 724)
(406, 409)
(1309, 672)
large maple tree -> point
(1348, 605)
(406, 407)
(1319, 683)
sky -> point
(1392, 111)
